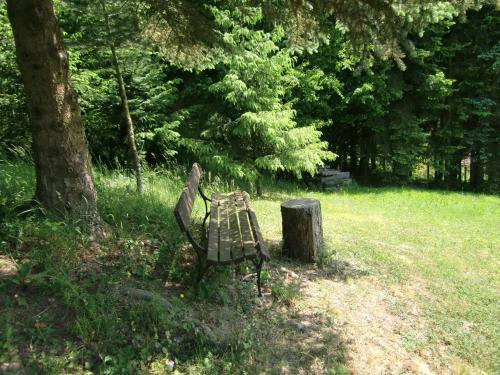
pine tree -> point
(121, 81)
(255, 131)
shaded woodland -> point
(105, 105)
(251, 99)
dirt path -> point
(372, 332)
(381, 333)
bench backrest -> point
(184, 206)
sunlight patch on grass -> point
(449, 241)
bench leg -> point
(199, 271)
(203, 230)
(258, 267)
(200, 268)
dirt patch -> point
(381, 328)
(373, 333)
(341, 314)
(277, 336)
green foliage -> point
(152, 99)
(263, 106)
(387, 122)
(253, 129)
(285, 293)
(14, 128)
(63, 283)
(151, 95)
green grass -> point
(446, 244)
(57, 315)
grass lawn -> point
(408, 284)
(437, 252)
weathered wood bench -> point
(233, 231)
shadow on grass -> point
(58, 313)
(327, 266)
(273, 334)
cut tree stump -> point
(302, 229)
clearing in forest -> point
(409, 285)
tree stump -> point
(302, 229)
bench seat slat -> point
(213, 231)
(235, 233)
(224, 240)
(246, 230)
(256, 230)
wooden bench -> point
(233, 231)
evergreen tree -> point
(109, 24)
(256, 132)
(14, 124)
(122, 82)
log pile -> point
(332, 179)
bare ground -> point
(343, 314)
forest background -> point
(261, 93)
(262, 106)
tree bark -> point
(364, 156)
(353, 159)
(64, 180)
(302, 229)
(258, 186)
(438, 174)
(373, 160)
(136, 161)
(493, 165)
(476, 169)
(452, 172)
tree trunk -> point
(125, 107)
(438, 174)
(353, 159)
(364, 160)
(476, 169)
(373, 161)
(258, 186)
(493, 165)
(452, 172)
(343, 160)
(64, 180)
(302, 229)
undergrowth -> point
(61, 312)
